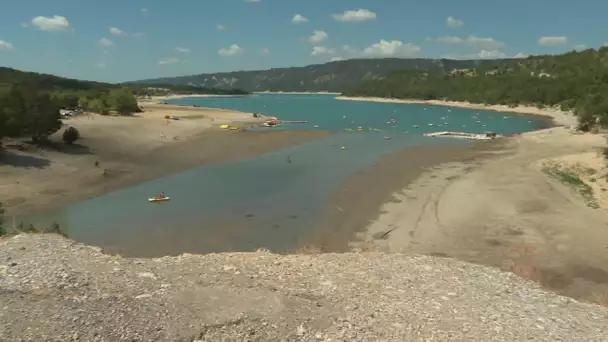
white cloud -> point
(115, 31)
(264, 51)
(105, 42)
(335, 59)
(100, 65)
(55, 23)
(232, 50)
(386, 48)
(299, 19)
(322, 50)
(138, 34)
(252, 1)
(580, 47)
(486, 54)
(453, 22)
(182, 50)
(168, 60)
(491, 54)
(355, 15)
(6, 46)
(220, 27)
(318, 36)
(25, 25)
(478, 43)
(552, 40)
(481, 43)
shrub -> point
(70, 135)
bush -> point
(70, 135)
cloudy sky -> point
(125, 40)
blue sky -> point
(125, 40)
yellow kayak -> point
(224, 126)
(158, 199)
(234, 128)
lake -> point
(264, 201)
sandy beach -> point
(494, 204)
(132, 149)
(559, 117)
(157, 99)
(297, 92)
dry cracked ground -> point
(53, 289)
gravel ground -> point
(52, 289)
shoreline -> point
(559, 117)
(132, 149)
(297, 92)
(156, 99)
(494, 206)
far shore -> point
(297, 92)
(132, 149)
(559, 117)
(156, 99)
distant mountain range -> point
(335, 76)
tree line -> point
(101, 101)
(28, 111)
(575, 81)
(142, 90)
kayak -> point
(158, 199)
(224, 126)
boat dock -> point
(464, 135)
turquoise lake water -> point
(264, 201)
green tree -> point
(575, 80)
(70, 135)
(122, 101)
(98, 105)
(42, 116)
(13, 108)
(65, 99)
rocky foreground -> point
(53, 289)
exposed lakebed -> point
(266, 201)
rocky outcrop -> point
(55, 289)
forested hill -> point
(575, 80)
(332, 77)
(52, 83)
(9, 76)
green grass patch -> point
(572, 179)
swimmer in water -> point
(289, 159)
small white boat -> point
(158, 199)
